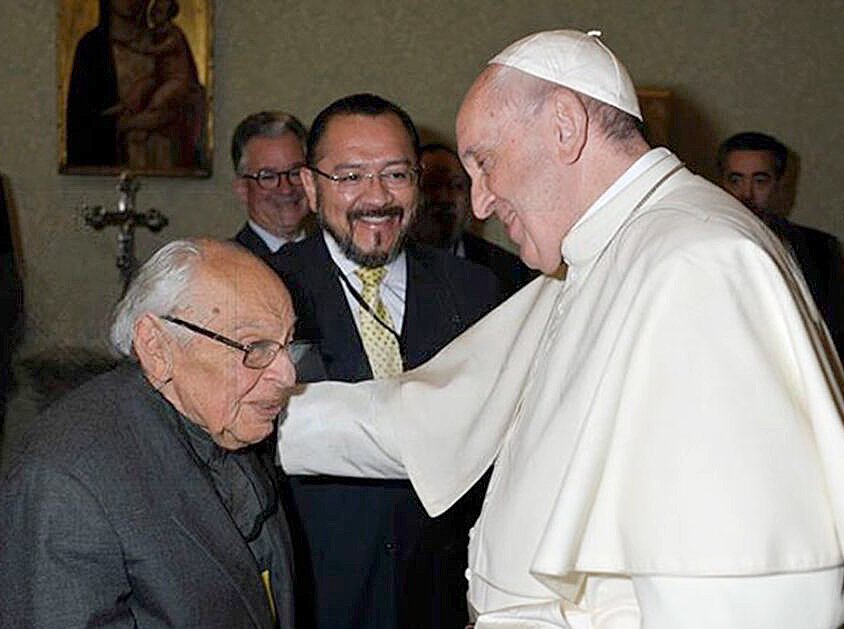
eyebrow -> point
(468, 153)
(392, 162)
(755, 173)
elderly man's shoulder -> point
(89, 423)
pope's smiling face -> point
(370, 220)
(510, 158)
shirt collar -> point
(595, 228)
(271, 240)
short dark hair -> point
(615, 123)
(754, 141)
(357, 105)
(264, 124)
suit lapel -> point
(252, 241)
(430, 312)
(340, 343)
(197, 511)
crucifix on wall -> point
(125, 218)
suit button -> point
(391, 547)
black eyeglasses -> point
(269, 179)
(256, 355)
(392, 178)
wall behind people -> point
(763, 65)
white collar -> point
(271, 240)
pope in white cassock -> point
(665, 422)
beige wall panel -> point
(761, 65)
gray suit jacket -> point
(108, 520)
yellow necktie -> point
(382, 347)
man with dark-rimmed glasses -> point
(268, 152)
(147, 499)
(375, 304)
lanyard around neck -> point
(363, 304)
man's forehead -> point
(479, 121)
(749, 161)
(359, 130)
(287, 144)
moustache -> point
(381, 212)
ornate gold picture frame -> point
(135, 82)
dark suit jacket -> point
(820, 259)
(107, 519)
(11, 301)
(511, 271)
(377, 560)
(252, 241)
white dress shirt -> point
(393, 287)
(271, 240)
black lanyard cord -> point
(363, 304)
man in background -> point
(375, 304)
(444, 215)
(751, 166)
(145, 499)
(268, 152)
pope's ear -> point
(153, 347)
(309, 184)
(570, 120)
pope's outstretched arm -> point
(440, 425)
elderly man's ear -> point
(154, 348)
(570, 124)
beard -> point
(368, 259)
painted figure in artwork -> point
(135, 99)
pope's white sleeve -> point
(808, 600)
(331, 428)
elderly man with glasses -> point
(375, 304)
(146, 499)
(268, 152)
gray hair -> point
(160, 286)
(526, 95)
(264, 124)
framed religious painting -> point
(135, 81)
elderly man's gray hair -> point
(160, 286)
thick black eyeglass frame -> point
(288, 174)
(214, 336)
